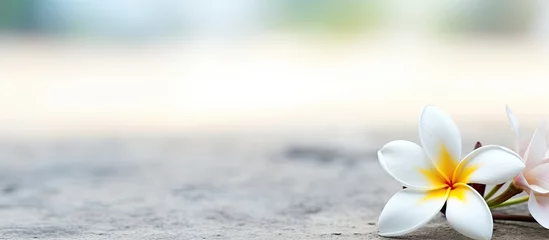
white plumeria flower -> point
(434, 175)
(534, 179)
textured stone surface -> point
(245, 186)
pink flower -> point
(534, 179)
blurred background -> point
(110, 67)
(205, 119)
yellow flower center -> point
(447, 175)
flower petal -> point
(514, 126)
(407, 163)
(441, 139)
(535, 154)
(538, 189)
(489, 164)
(538, 205)
(410, 209)
(538, 178)
(468, 213)
(521, 182)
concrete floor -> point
(203, 187)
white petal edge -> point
(515, 125)
(469, 216)
(407, 211)
(403, 160)
(538, 189)
(493, 165)
(436, 130)
(535, 153)
(538, 205)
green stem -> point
(493, 191)
(511, 202)
(510, 192)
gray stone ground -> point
(231, 186)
